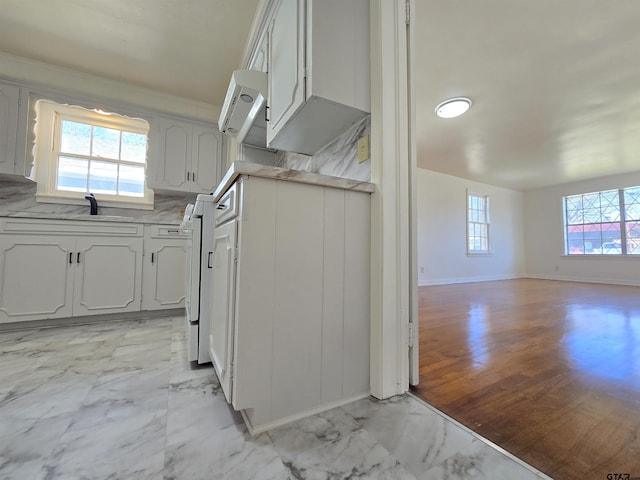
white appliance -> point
(243, 113)
(199, 219)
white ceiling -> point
(555, 83)
(183, 47)
(555, 86)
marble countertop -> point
(277, 173)
(85, 217)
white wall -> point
(544, 237)
(83, 85)
(442, 216)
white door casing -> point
(392, 225)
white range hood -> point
(242, 114)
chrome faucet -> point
(93, 202)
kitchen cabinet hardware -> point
(152, 256)
(187, 176)
(78, 258)
(266, 113)
(209, 265)
(175, 232)
(221, 206)
(70, 257)
(193, 177)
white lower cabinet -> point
(37, 277)
(63, 269)
(164, 270)
(290, 323)
(222, 300)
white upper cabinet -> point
(260, 59)
(184, 156)
(206, 156)
(9, 106)
(318, 60)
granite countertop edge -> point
(84, 217)
(277, 173)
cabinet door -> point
(260, 59)
(223, 301)
(164, 274)
(108, 275)
(35, 277)
(9, 101)
(287, 64)
(206, 154)
(170, 155)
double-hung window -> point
(603, 223)
(477, 224)
(80, 151)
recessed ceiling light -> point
(454, 107)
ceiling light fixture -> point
(454, 107)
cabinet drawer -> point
(227, 207)
(165, 231)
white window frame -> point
(621, 223)
(471, 224)
(49, 116)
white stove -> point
(199, 219)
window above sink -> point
(80, 151)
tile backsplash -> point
(339, 159)
(19, 198)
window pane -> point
(131, 181)
(72, 174)
(632, 203)
(611, 244)
(574, 210)
(610, 206)
(106, 142)
(134, 147)
(633, 238)
(103, 177)
(75, 138)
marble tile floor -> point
(119, 401)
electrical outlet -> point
(363, 149)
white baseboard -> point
(569, 278)
(258, 429)
(423, 282)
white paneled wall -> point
(302, 338)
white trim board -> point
(569, 278)
(449, 281)
(564, 278)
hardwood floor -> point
(548, 370)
